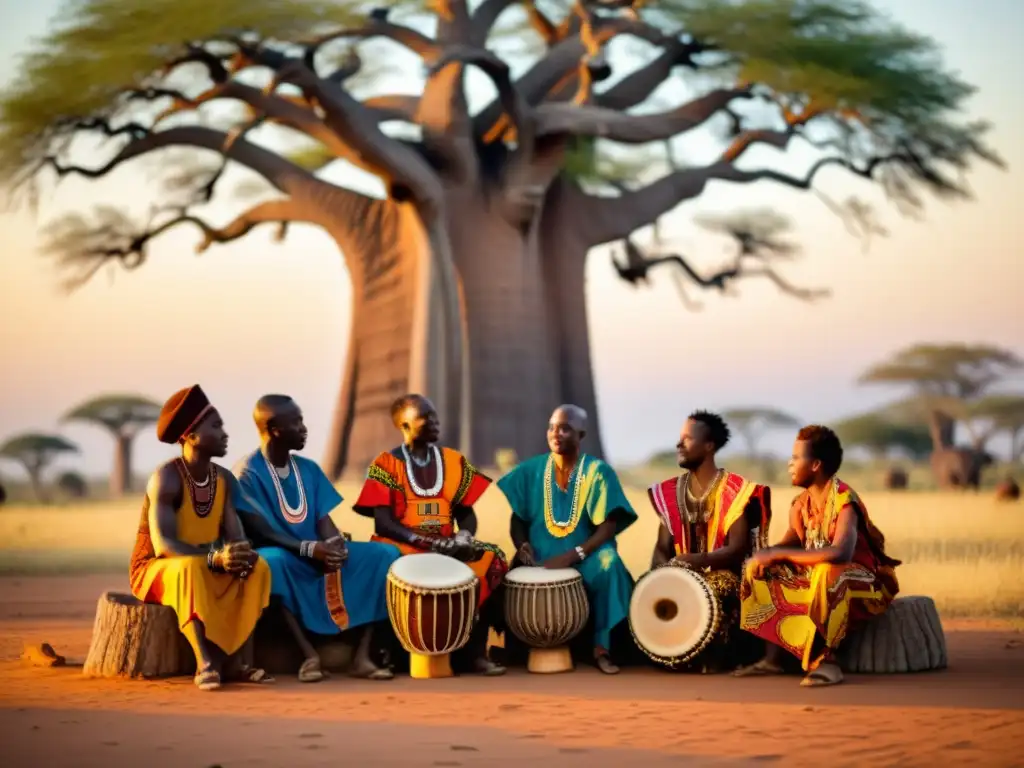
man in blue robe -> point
(325, 585)
(567, 509)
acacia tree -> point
(35, 452)
(469, 274)
(948, 380)
(879, 435)
(1003, 412)
(122, 416)
(752, 424)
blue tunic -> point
(323, 604)
(555, 525)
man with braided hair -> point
(711, 521)
(421, 499)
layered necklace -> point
(817, 529)
(202, 493)
(433, 454)
(293, 515)
(558, 528)
(697, 508)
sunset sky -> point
(255, 316)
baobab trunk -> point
(565, 260)
(510, 382)
(121, 472)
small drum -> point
(546, 608)
(431, 602)
(676, 612)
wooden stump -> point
(135, 639)
(275, 649)
(908, 637)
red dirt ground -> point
(971, 714)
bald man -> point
(567, 509)
(325, 585)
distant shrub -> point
(73, 485)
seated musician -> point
(567, 509)
(191, 554)
(829, 573)
(711, 520)
(421, 499)
(325, 585)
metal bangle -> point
(581, 554)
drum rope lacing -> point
(573, 487)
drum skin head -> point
(670, 611)
(528, 574)
(432, 571)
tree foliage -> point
(754, 422)
(880, 435)
(876, 98)
(116, 412)
(35, 448)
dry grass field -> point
(965, 550)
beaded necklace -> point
(816, 529)
(202, 493)
(699, 509)
(293, 515)
(433, 454)
(573, 487)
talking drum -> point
(676, 613)
(431, 601)
(546, 608)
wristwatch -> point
(581, 554)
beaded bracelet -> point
(306, 548)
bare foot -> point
(367, 670)
(487, 668)
(826, 674)
(310, 671)
(762, 668)
(605, 664)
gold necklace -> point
(557, 528)
(817, 535)
(699, 509)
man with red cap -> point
(191, 553)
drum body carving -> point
(546, 608)
(676, 614)
(432, 603)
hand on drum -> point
(680, 561)
(455, 547)
(525, 556)
(564, 560)
(759, 562)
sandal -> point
(310, 671)
(762, 668)
(604, 663)
(208, 680)
(254, 675)
(826, 674)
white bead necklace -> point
(433, 453)
(294, 515)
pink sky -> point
(256, 317)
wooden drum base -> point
(422, 667)
(549, 661)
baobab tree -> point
(468, 273)
(35, 451)
(122, 416)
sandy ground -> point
(971, 714)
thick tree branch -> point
(394, 106)
(614, 218)
(454, 25)
(633, 129)
(485, 17)
(637, 86)
(115, 238)
(404, 170)
(415, 41)
(278, 171)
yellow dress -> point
(227, 606)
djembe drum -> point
(431, 602)
(546, 608)
(677, 613)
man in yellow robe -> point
(191, 554)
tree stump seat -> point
(908, 637)
(133, 639)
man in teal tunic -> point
(567, 509)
